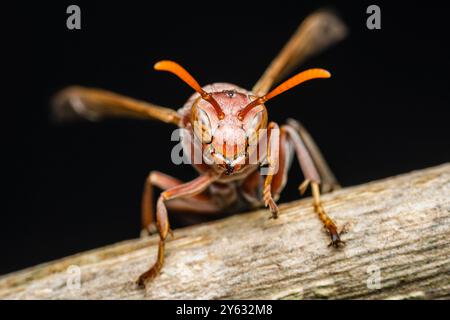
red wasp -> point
(227, 121)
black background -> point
(70, 188)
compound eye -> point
(257, 121)
(202, 125)
(254, 121)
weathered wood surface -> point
(399, 226)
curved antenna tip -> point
(324, 73)
(160, 65)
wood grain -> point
(398, 228)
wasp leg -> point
(274, 162)
(188, 189)
(159, 180)
(312, 177)
(326, 220)
(275, 183)
(197, 204)
(328, 179)
(268, 199)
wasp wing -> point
(95, 104)
(317, 32)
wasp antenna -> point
(296, 80)
(287, 85)
(180, 72)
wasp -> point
(226, 121)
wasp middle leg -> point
(313, 178)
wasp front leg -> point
(312, 177)
(184, 190)
(273, 159)
(281, 159)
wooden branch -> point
(399, 230)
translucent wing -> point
(318, 31)
(95, 104)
